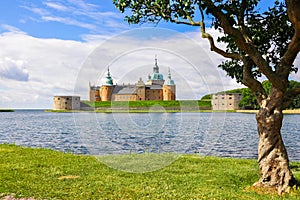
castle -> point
(156, 88)
(223, 101)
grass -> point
(146, 104)
(6, 110)
(48, 174)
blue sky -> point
(56, 47)
(66, 19)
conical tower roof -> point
(108, 80)
(169, 80)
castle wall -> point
(124, 97)
(66, 103)
(94, 95)
(169, 92)
(154, 94)
(141, 93)
(222, 101)
(106, 92)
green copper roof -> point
(108, 80)
(169, 81)
(156, 75)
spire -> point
(155, 68)
(169, 81)
(108, 79)
(169, 73)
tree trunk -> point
(272, 155)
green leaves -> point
(154, 11)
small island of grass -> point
(6, 110)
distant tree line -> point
(248, 100)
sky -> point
(59, 47)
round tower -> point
(107, 88)
(169, 89)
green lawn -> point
(201, 104)
(48, 174)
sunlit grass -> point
(48, 174)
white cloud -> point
(56, 6)
(49, 67)
(9, 28)
(68, 21)
(36, 10)
(77, 13)
(82, 4)
(13, 69)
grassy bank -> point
(147, 104)
(6, 110)
(47, 174)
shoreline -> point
(6, 110)
(296, 111)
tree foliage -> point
(248, 100)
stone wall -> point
(223, 101)
(66, 103)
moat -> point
(218, 134)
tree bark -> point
(272, 155)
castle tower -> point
(107, 88)
(156, 78)
(169, 88)
(141, 90)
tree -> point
(257, 44)
(248, 100)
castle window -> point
(230, 97)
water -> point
(219, 134)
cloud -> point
(13, 69)
(56, 6)
(32, 70)
(77, 13)
(82, 4)
(36, 10)
(11, 29)
(68, 21)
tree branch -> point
(287, 60)
(290, 96)
(190, 23)
(212, 43)
(254, 85)
(245, 45)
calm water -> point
(220, 134)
